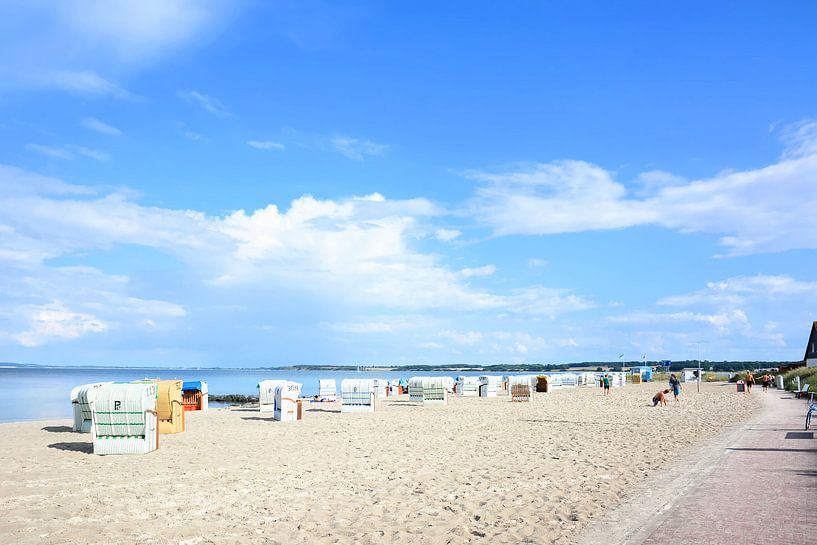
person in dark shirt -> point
(675, 385)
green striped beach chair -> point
(125, 419)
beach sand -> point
(476, 471)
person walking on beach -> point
(767, 381)
(675, 384)
(606, 383)
(750, 381)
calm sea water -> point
(43, 393)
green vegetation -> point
(808, 375)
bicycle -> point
(812, 409)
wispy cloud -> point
(55, 321)
(90, 153)
(446, 235)
(723, 322)
(741, 315)
(68, 152)
(266, 145)
(85, 83)
(51, 151)
(768, 209)
(94, 124)
(209, 104)
(376, 324)
(740, 289)
(192, 135)
(46, 41)
(356, 149)
(486, 270)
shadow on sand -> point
(57, 429)
(87, 448)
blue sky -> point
(253, 183)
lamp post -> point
(700, 376)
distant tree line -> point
(535, 367)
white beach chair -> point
(82, 401)
(266, 395)
(489, 385)
(468, 386)
(125, 419)
(327, 390)
(415, 389)
(287, 405)
(435, 391)
(357, 395)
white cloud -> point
(486, 270)
(16, 182)
(51, 151)
(356, 149)
(84, 83)
(767, 209)
(364, 327)
(67, 153)
(45, 42)
(773, 335)
(40, 303)
(726, 316)
(90, 153)
(737, 290)
(190, 135)
(723, 322)
(446, 235)
(468, 338)
(56, 322)
(209, 104)
(655, 180)
(356, 250)
(544, 301)
(495, 343)
(94, 124)
(536, 263)
(266, 145)
(380, 324)
(559, 197)
(800, 139)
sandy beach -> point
(476, 471)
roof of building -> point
(811, 346)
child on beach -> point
(606, 383)
(660, 397)
(675, 384)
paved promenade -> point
(763, 489)
(755, 485)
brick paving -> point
(762, 491)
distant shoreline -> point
(502, 367)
